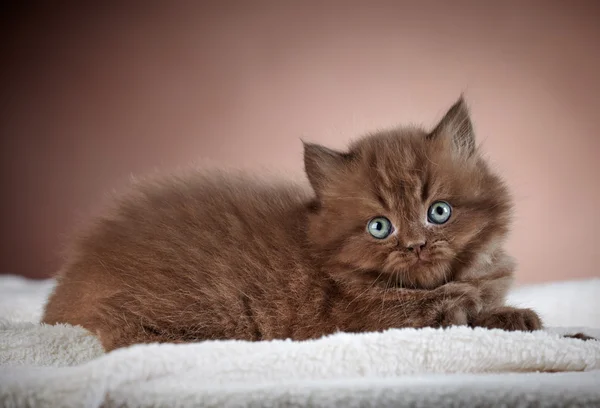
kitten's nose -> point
(416, 246)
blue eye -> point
(379, 227)
(439, 212)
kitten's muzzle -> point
(417, 247)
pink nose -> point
(416, 246)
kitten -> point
(404, 229)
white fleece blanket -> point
(64, 366)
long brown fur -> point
(215, 255)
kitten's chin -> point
(429, 275)
(421, 274)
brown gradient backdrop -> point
(91, 94)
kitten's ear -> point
(456, 124)
(320, 163)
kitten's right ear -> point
(457, 126)
(320, 163)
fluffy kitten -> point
(404, 229)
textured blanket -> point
(64, 366)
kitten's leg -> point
(378, 309)
(108, 320)
(455, 304)
(126, 336)
(119, 332)
(508, 318)
(493, 279)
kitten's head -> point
(406, 207)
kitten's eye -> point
(379, 227)
(439, 212)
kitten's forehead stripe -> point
(382, 201)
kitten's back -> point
(182, 248)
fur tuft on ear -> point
(320, 163)
(456, 124)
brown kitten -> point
(403, 230)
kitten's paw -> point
(509, 318)
(457, 303)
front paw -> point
(457, 303)
(509, 319)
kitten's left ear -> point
(456, 124)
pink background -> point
(91, 94)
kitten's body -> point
(223, 256)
